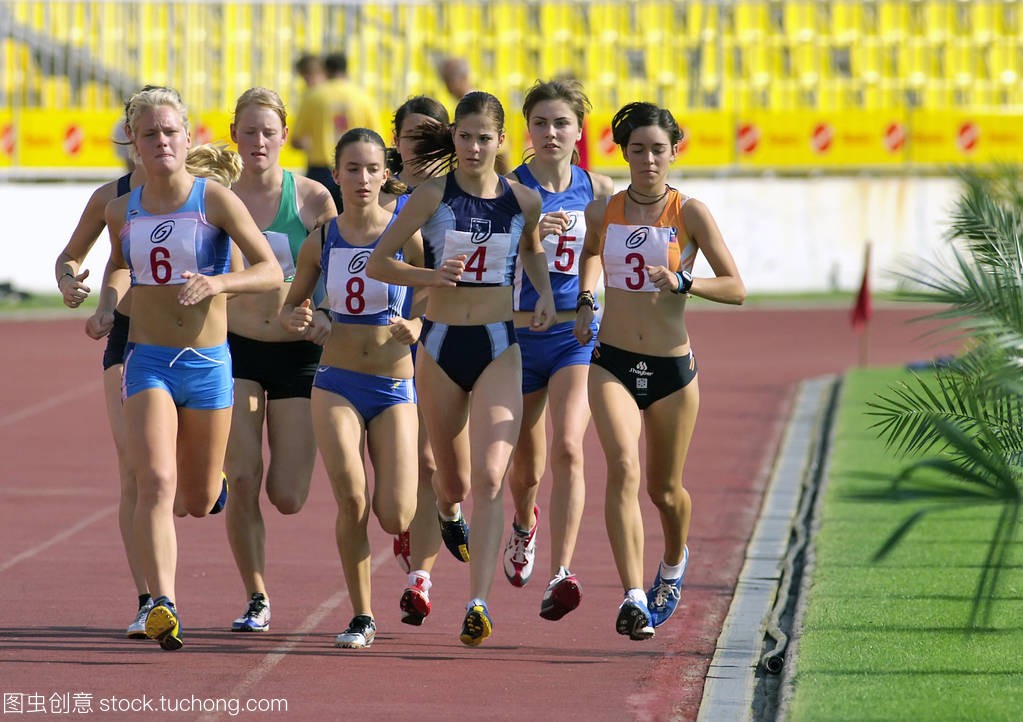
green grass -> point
(40, 302)
(887, 640)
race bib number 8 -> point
(349, 290)
(161, 249)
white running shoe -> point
(256, 617)
(361, 632)
(520, 553)
(137, 629)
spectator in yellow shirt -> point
(325, 114)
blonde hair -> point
(214, 161)
(263, 97)
(153, 97)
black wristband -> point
(685, 282)
(585, 298)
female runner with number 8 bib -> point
(363, 393)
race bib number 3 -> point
(628, 250)
(161, 249)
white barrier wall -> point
(786, 234)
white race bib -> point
(628, 250)
(281, 247)
(349, 290)
(563, 251)
(486, 253)
(161, 249)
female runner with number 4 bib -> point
(469, 369)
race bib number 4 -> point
(486, 254)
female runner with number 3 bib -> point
(643, 373)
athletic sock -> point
(420, 574)
(671, 571)
(456, 517)
(144, 599)
(636, 595)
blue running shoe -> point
(163, 625)
(477, 625)
(456, 537)
(256, 617)
(663, 597)
(221, 502)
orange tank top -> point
(627, 249)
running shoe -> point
(221, 502)
(562, 595)
(520, 552)
(634, 620)
(361, 632)
(137, 629)
(163, 625)
(403, 551)
(663, 597)
(256, 617)
(477, 625)
(415, 603)
(456, 537)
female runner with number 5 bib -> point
(554, 365)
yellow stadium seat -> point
(845, 22)
(55, 92)
(1004, 61)
(609, 21)
(939, 20)
(799, 20)
(893, 20)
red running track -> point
(65, 593)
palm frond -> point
(967, 418)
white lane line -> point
(66, 534)
(274, 657)
(51, 402)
